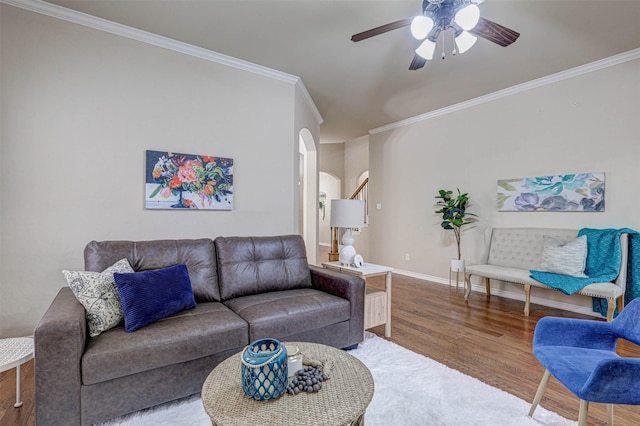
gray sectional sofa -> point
(245, 288)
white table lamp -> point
(347, 214)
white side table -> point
(14, 352)
(377, 303)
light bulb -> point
(468, 17)
(426, 49)
(464, 41)
(420, 26)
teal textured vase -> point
(264, 369)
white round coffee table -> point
(14, 352)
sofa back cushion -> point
(253, 265)
(198, 255)
(522, 247)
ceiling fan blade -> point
(417, 62)
(495, 32)
(381, 29)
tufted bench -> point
(513, 252)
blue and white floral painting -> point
(571, 192)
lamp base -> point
(334, 256)
(347, 252)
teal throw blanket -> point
(603, 264)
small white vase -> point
(457, 265)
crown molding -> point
(543, 81)
(69, 15)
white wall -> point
(79, 109)
(356, 162)
(330, 185)
(589, 123)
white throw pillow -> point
(568, 258)
(97, 292)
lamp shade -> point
(420, 26)
(468, 17)
(426, 49)
(347, 213)
(464, 41)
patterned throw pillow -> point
(97, 292)
(568, 258)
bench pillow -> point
(568, 258)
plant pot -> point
(457, 265)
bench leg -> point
(611, 307)
(487, 286)
(467, 284)
(527, 299)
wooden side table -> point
(14, 352)
(377, 303)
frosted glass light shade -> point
(420, 26)
(468, 17)
(426, 49)
(464, 41)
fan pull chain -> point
(442, 37)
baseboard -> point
(504, 293)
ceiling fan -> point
(462, 16)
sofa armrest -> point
(59, 338)
(348, 287)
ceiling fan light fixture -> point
(468, 17)
(426, 49)
(420, 26)
(465, 41)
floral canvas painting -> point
(185, 181)
(571, 192)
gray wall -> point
(79, 109)
(588, 123)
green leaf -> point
(155, 192)
(505, 184)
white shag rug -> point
(410, 389)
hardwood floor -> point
(487, 338)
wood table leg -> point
(387, 287)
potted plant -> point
(454, 217)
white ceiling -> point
(361, 86)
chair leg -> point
(610, 414)
(527, 299)
(541, 387)
(487, 286)
(582, 415)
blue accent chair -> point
(581, 354)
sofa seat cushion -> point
(209, 328)
(522, 276)
(279, 314)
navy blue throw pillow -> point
(149, 296)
